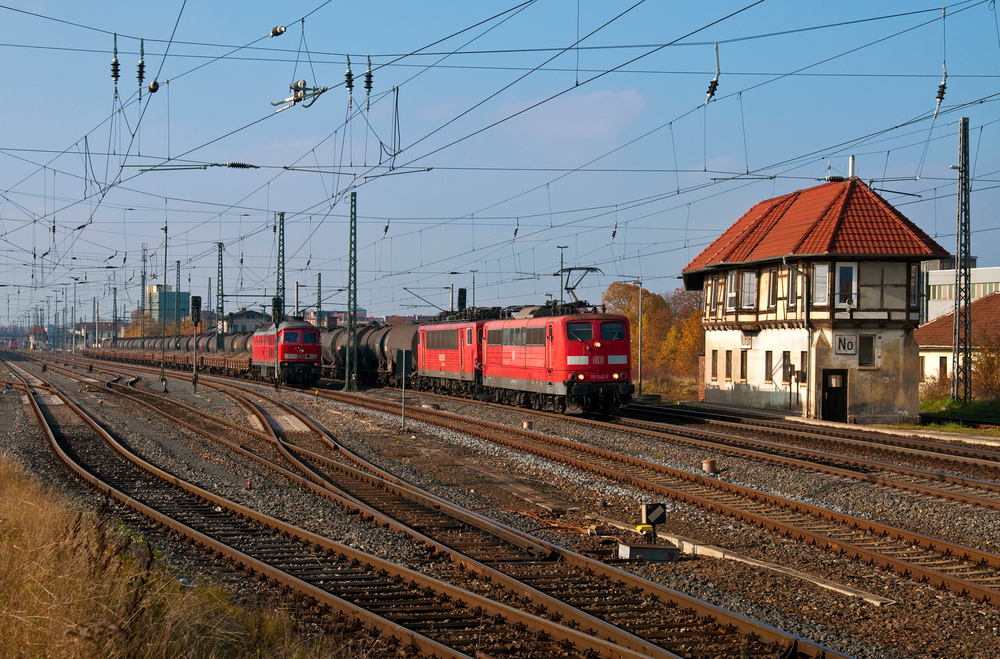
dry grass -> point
(71, 585)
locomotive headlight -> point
(579, 376)
(597, 344)
(615, 376)
(624, 376)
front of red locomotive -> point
(592, 356)
(299, 358)
(299, 353)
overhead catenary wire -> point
(675, 170)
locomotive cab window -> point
(612, 331)
(309, 337)
(579, 331)
(290, 337)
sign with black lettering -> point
(845, 344)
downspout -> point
(806, 299)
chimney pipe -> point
(850, 167)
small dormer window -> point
(847, 285)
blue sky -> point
(493, 134)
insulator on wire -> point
(153, 86)
(349, 77)
(940, 93)
(277, 30)
(141, 73)
(714, 85)
(368, 77)
(240, 165)
(114, 62)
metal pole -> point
(961, 380)
(74, 324)
(639, 389)
(220, 306)
(640, 339)
(194, 361)
(163, 312)
(350, 373)
(473, 287)
(177, 310)
(114, 317)
(319, 297)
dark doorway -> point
(835, 395)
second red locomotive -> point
(298, 355)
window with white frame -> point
(821, 284)
(793, 287)
(731, 292)
(772, 288)
(748, 298)
(847, 285)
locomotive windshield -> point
(309, 337)
(613, 331)
(290, 337)
(579, 331)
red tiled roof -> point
(940, 332)
(839, 218)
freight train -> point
(562, 358)
(298, 361)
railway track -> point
(580, 592)
(836, 458)
(944, 564)
(427, 615)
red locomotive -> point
(566, 363)
(299, 358)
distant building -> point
(326, 320)
(88, 335)
(811, 299)
(38, 339)
(162, 302)
(245, 321)
(936, 339)
(939, 286)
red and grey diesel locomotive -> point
(563, 358)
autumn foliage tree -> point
(672, 337)
(154, 328)
(986, 365)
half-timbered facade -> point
(811, 300)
